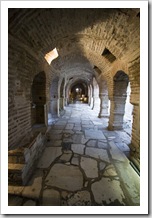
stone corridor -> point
(81, 165)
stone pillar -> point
(54, 107)
(104, 105)
(46, 114)
(117, 111)
(135, 140)
(61, 103)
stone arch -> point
(38, 93)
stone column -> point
(61, 103)
(104, 105)
(117, 111)
(54, 107)
(135, 140)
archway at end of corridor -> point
(78, 92)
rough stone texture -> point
(102, 165)
(116, 153)
(91, 143)
(81, 198)
(97, 153)
(102, 145)
(14, 201)
(29, 203)
(49, 155)
(131, 182)
(78, 148)
(33, 189)
(106, 191)
(89, 166)
(54, 143)
(51, 197)
(94, 134)
(66, 177)
(110, 171)
(75, 161)
(66, 157)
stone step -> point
(15, 174)
(16, 156)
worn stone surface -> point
(75, 161)
(107, 191)
(14, 200)
(66, 157)
(131, 181)
(102, 165)
(81, 198)
(110, 171)
(51, 197)
(33, 189)
(89, 166)
(48, 156)
(29, 203)
(116, 153)
(78, 148)
(91, 143)
(54, 143)
(97, 153)
(94, 134)
(102, 145)
(77, 138)
(65, 177)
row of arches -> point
(95, 93)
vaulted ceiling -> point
(84, 38)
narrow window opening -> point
(108, 55)
(49, 57)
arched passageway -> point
(38, 99)
(88, 56)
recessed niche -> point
(108, 55)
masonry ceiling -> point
(80, 36)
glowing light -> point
(49, 57)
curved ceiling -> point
(84, 38)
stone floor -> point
(83, 164)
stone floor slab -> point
(97, 153)
(78, 148)
(81, 198)
(29, 203)
(66, 157)
(48, 156)
(69, 126)
(110, 171)
(116, 153)
(51, 197)
(94, 134)
(65, 177)
(91, 143)
(75, 161)
(89, 166)
(107, 191)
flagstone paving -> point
(83, 164)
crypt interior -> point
(74, 107)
